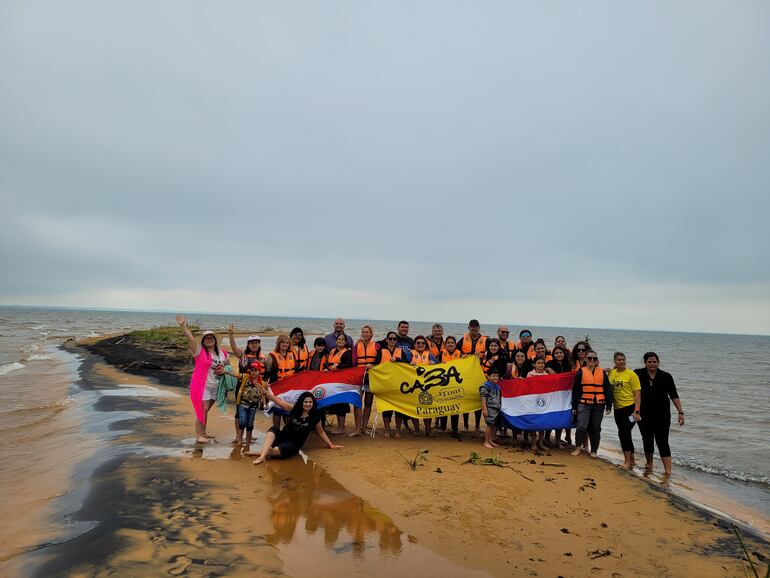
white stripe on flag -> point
(537, 403)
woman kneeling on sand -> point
(303, 417)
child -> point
(538, 437)
(248, 401)
(491, 399)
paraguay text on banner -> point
(428, 390)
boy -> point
(248, 401)
(491, 400)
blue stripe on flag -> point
(351, 397)
(541, 421)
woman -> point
(303, 418)
(657, 388)
(390, 352)
(299, 348)
(560, 364)
(521, 366)
(560, 342)
(318, 358)
(491, 355)
(626, 399)
(210, 363)
(591, 394)
(341, 357)
(579, 354)
(541, 352)
(420, 355)
(247, 356)
(280, 364)
(450, 353)
(365, 354)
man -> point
(339, 329)
(526, 344)
(404, 342)
(506, 347)
(473, 342)
(436, 340)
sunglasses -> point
(591, 358)
(580, 350)
(505, 332)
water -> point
(723, 381)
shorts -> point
(286, 448)
(210, 393)
(493, 416)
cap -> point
(253, 338)
(205, 333)
(257, 365)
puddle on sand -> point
(321, 529)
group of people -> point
(642, 396)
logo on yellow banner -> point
(428, 390)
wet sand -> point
(165, 506)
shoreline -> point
(702, 541)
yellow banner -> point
(428, 390)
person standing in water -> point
(210, 363)
(627, 401)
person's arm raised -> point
(278, 401)
(237, 351)
(191, 343)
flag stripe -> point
(544, 421)
(538, 403)
(537, 385)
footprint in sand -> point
(179, 565)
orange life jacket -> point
(508, 346)
(420, 358)
(324, 360)
(548, 357)
(593, 386)
(283, 366)
(335, 355)
(469, 347)
(435, 349)
(366, 354)
(386, 356)
(529, 351)
(577, 365)
(301, 356)
(486, 364)
(446, 356)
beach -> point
(134, 495)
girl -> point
(390, 352)
(303, 418)
(538, 437)
(247, 356)
(210, 363)
(521, 365)
(279, 364)
(420, 355)
(318, 358)
(341, 357)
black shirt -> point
(557, 367)
(656, 393)
(297, 429)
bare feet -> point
(489, 445)
(337, 432)
(259, 460)
(398, 435)
(211, 437)
(202, 439)
(494, 445)
(354, 434)
(576, 451)
(236, 442)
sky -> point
(591, 164)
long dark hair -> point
(301, 336)
(297, 410)
(216, 344)
(566, 363)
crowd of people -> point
(642, 396)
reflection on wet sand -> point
(308, 497)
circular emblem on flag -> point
(425, 398)
(319, 392)
(540, 402)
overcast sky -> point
(588, 164)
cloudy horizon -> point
(592, 165)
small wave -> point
(9, 367)
(39, 357)
(723, 471)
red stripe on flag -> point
(540, 384)
(307, 380)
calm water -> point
(723, 381)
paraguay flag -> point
(327, 387)
(538, 403)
